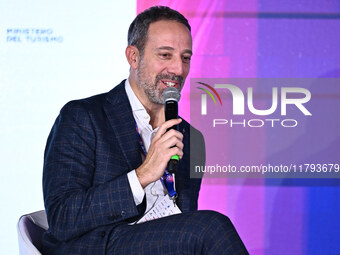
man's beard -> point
(152, 91)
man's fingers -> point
(175, 151)
(164, 127)
(173, 141)
(171, 133)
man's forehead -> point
(168, 25)
(167, 34)
(169, 48)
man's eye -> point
(165, 55)
(187, 59)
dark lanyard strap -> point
(167, 178)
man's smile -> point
(170, 83)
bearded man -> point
(106, 155)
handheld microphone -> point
(171, 97)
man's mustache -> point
(178, 78)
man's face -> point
(166, 59)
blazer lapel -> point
(119, 113)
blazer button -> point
(102, 234)
(123, 213)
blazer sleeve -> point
(74, 205)
(188, 181)
(197, 158)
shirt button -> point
(145, 117)
(102, 234)
(123, 213)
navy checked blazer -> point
(91, 148)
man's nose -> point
(176, 66)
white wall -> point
(38, 78)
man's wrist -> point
(142, 177)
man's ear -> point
(132, 56)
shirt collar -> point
(136, 105)
(140, 114)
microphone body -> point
(171, 97)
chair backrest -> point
(30, 230)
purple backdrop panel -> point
(291, 7)
(275, 40)
(215, 40)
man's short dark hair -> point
(138, 30)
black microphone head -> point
(171, 93)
